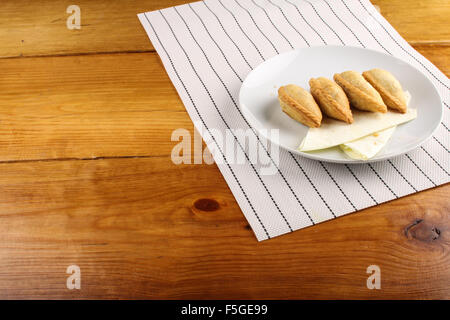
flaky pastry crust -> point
(299, 104)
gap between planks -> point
(438, 43)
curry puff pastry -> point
(299, 104)
(389, 88)
(331, 98)
(360, 93)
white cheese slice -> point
(333, 132)
(367, 147)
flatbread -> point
(333, 132)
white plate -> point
(259, 102)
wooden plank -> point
(97, 106)
(146, 228)
(137, 229)
(87, 106)
(29, 28)
(439, 55)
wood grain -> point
(82, 107)
(136, 237)
(29, 28)
(97, 111)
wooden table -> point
(86, 178)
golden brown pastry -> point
(331, 98)
(389, 88)
(359, 92)
(299, 104)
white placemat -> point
(209, 47)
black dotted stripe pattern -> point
(215, 42)
(324, 21)
(382, 180)
(289, 22)
(294, 156)
(273, 24)
(242, 116)
(225, 31)
(440, 143)
(307, 22)
(362, 186)
(240, 27)
(434, 160)
(337, 185)
(345, 25)
(406, 51)
(401, 175)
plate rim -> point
(349, 160)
